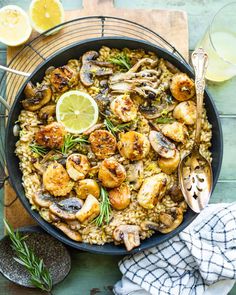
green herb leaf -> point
(70, 142)
(121, 60)
(164, 120)
(38, 149)
(105, 208)
(40, 276)
(115, 129)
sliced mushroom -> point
(47, 113)
(176, 193)
(162, 145)
(90, 209)
(67, 209)
(36, 97)
(128, 234)
(87, 187)
(169, 165)
(73, 224)
(120, 197)
(167, 221)
(152, 190)
(72, 234)
(43, 200)
(91, 67)
(77, 166)
(135, 174)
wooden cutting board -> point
(170, 24)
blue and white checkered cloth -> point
(200, 260)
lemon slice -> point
(46, 14)
(77, 111)
(15, 28)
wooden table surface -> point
(95, 274)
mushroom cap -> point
(36, 97)
(162, 145)
(67, 209)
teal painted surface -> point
(92, 274)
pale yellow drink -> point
(221, 49)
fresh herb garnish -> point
(114, 129)
(39, 274)
(121, 60)
(164, 120)
(105, 208)
(70, 142)
(38, 149)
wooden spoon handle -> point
(200, 62)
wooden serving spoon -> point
(195, 173)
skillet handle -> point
(3, 176)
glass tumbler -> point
(219, 42)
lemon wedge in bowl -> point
(77, 111)
(15, 28)
(46, 14)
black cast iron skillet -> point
(61, 58)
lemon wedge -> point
(77, 111)
(46, 14)
(15, 28)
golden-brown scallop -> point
(51, 136)
(152, 190)
(176, 131)
(133, 145)
(123, 108)
(56, 180)
(120, 197)
(63, 78)
(111, 173)
(103, 143)
(77, 166)
(169, 165)
(87, 187)
(182, 87)
(186, 112)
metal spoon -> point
(14, 71)
(195, 173)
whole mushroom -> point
(128, 234)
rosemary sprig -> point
(40, 276)
(164, 120)
(70, 142)
(121, 60)
(38, 149)
(105, 208)
(114, 129)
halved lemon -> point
(77, 111)
(46, 14)
(15, 28)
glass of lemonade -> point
(219, 42)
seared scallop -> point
(123, 108)
(87, 187)
(51, 136)
(111, 173)
(103, 143)
(186, 112)
(77, 166)
(120, 197)
(133, 145)
(56, 180)
(182, 87)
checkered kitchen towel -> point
(200, 260)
